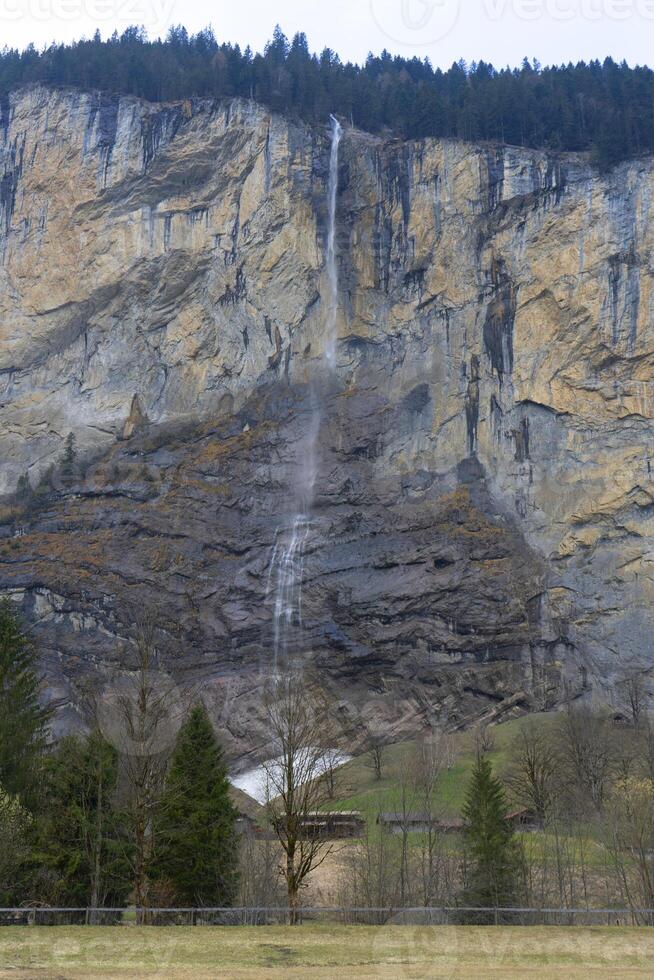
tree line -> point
(90, 821)
(582, 778)
(605, 107)
(138, 810)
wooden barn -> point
(524, 818)
(333, 824)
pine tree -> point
(22, 718)
(69, 457)
(494, 872)
(196, 844)
(81, 835)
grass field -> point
(325, 951)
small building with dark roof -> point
(332, 824)
(524, 818)
(419, 822)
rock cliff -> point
(482, 535)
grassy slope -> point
(358, 789)
(325, 951)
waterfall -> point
(287, 560)
(332, 270)
(285, 584)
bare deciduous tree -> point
(374, 869)
(331, 762)
(377, 756)
(630, 825)
(92, 770)
(586, 741)
(296, 782)
(647, 747)
(260, 883)
(632, 688)
(532, 769)
(435, 753)
(484, 738)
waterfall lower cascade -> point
(285, 583)
(287, 561)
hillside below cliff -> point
(482, 536)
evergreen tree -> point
(22, 718)
(80, 831)
(15, 823)
(69, 457)
(493, 851)
(196, 843)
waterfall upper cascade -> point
(287, 560)
(332, 270)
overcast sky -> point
(501, 31)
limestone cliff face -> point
(483, 528)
